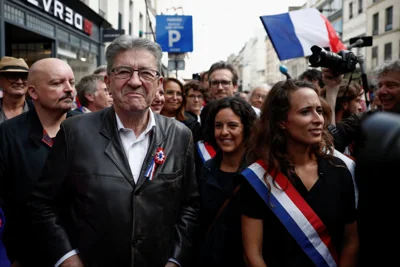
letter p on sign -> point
(173, 37)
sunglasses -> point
(14, 77)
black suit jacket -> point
(22, 157)
(87, 198)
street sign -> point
(174, 33)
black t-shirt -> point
(332, 198)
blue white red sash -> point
(295, 214)
(351, 165)
(206, 151)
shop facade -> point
(68, 30)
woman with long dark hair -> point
(298, 200)
(228, 128)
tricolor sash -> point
(294, 213)
(206, 151)
(351, 165)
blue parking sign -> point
(174, 33)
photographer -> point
(349, 129)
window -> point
(119, 21)
(374, 56)
(389, 19)
(121, 14)
(350, 10)
(375, 24)
(360, 6)
(130, 16)
(141, 25)
(388, 51)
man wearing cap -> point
(13, 75)
(25, 142)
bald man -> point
(25, 143)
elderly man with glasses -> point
(13, 76)
(119, 188)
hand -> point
(171, 264)
(330, 79)
(16, 264)
(73, 261)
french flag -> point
(294, 33)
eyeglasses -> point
(106, 91)
(14, 77)
(144, 74)
(225, 84)
(195, 96)
(258, 96)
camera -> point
(340, 63)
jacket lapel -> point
(114, 149)
(156, 140)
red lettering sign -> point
(87, 26)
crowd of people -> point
(130, 168)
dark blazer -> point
(106, 216)
(22, 157)
(222, 246)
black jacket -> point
(22, 157)
(103, 213)
(349, 130)
(222, 246)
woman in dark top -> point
(229, 127)
(291, 139)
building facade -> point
(36, 29)
(383, 23)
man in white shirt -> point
(119, 188)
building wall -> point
(272, 74)
(354, 23)
(132, 11)
(383, 36)
(136, 20)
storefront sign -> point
(110, 34)
(64, 13)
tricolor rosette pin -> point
(158, 159)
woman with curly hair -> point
(298, 199)
(228, 128)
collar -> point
(37, 133)
(25, 108)
(85, 110)
(150, 124)
(47, 139)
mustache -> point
(66, 96)
(138, 90)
